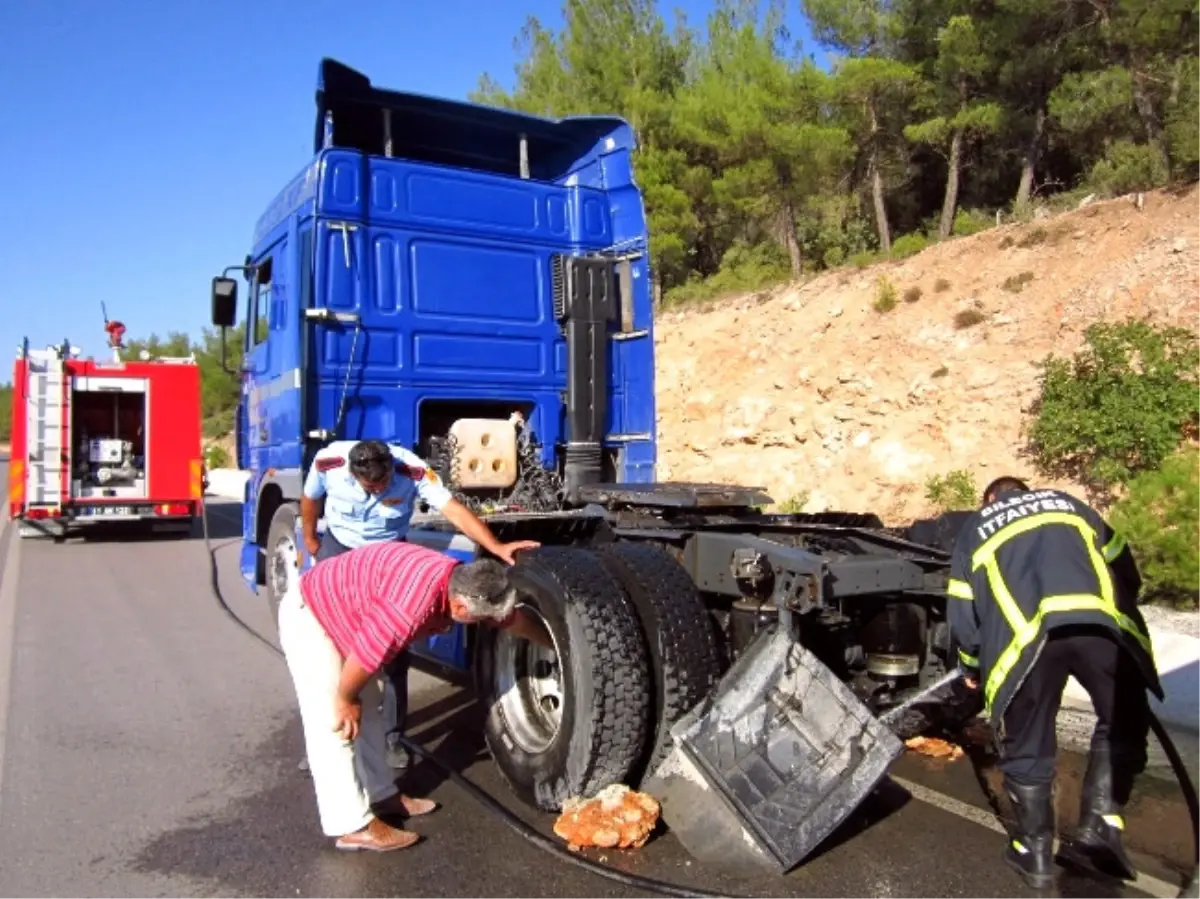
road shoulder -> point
(10, 572)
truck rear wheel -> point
(684, 663)
(280, 553)
(571, 721)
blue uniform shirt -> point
(354, 517)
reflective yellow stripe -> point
(1114, 547)
(16, 482)
(197, 479)
(1053, 605)
(959, 589)
(1024, 526)
(1086, 602)
(1025, 632)
(968, 660)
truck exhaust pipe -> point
(584, 304)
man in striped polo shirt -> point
(339, 625)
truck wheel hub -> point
(283, 561)
(529, 679)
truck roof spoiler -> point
(450, 132)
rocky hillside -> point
(821, 393)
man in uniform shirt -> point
(370, 491)
(1043, 589)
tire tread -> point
(616, 726)
(682, 647)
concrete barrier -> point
(227, 483)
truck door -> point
(265, 355)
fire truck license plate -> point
(110, 511)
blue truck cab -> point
(436, 269)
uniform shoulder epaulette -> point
(330, 462)
(416, 472)
(412, 472)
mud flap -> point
(778, 756)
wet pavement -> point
(149, 747)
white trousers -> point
(348, 777)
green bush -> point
(744, 268)
(216, 457)
(6, 396)
(863, 258)
(1183, 121)
(834, 257)
(956, 491)
(908, 245)
(1119, 407)
(885, 296)
(218, 424)
(1160, 517)
(971, 221)
(1127, 167)
(793, 505)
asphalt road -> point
(149, 747)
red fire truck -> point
(97, 441)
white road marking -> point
(1149, 885)
(9, 574)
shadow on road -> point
(887, 799)
(224, 519)
(224, 523)
(451, 728)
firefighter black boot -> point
(1096, 842)
(1030, 850)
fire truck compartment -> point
(108, 438)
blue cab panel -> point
(406, 277)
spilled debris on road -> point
(935, 748)
(616, 817)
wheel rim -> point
(283, 563)
(529, 683)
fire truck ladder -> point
(47, 476)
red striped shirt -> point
(375, 600)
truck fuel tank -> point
(772, 761)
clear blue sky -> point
(141, 139)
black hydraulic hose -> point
(1189, 795)
(474, 791)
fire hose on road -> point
(541, 841)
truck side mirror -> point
(224, 302)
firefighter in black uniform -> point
(1042, 589)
